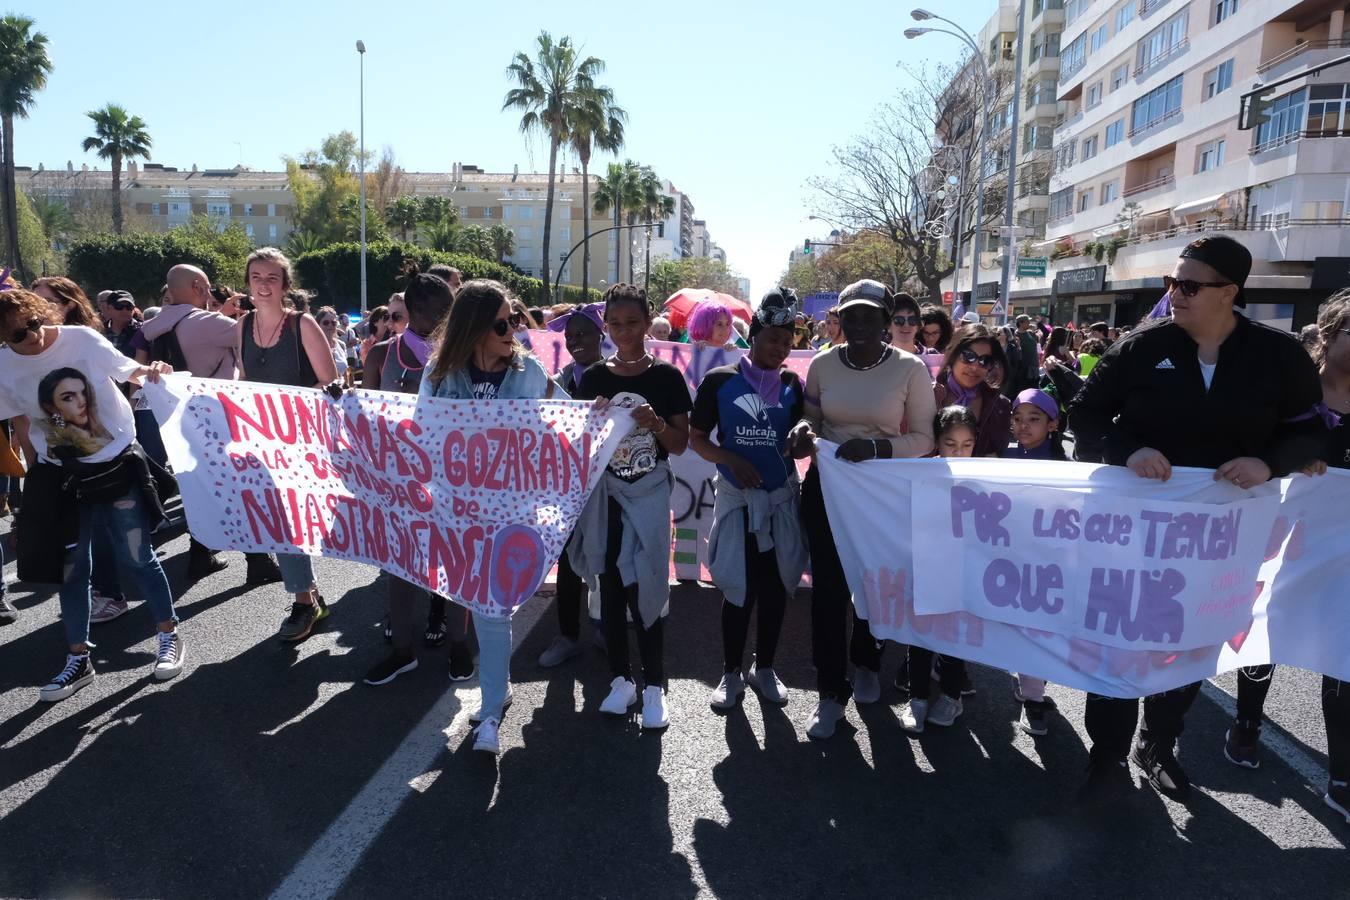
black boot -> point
(262, 569)
(202, 561)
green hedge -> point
(335, 273)
(140, 262)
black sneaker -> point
(299, 624)
(967, 686)
(262, 569)
(8, 613)
(393, 666)
(436, 629)
(79, 672)
(1242, 745)
(461, 661)
(202, 562)
(1106, 781)
(1160, 765)
(902, 676)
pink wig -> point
(704, 317)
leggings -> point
(951, 672)
(765, 590)
(1110, 722)
(569, 599)
(616, 601)
(1254, 685)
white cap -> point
(971, 318)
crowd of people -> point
(891, 378)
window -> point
(525, 233)
(1036, 137)
(1209, 156)
(271, 210)
(1073, 56)
(1094, 95)
(1098, 39)
(1073, 9)
(1085, 201)
(218, 210)
(1286, 117)
(1115, 132)
(1064, 154)
(1329, 110)
(1090, 147)
(1223, 9)
(248, 231)
(154, 209)
(1124, 16)
(1043, 44)
(526, 212)
(248, 209)
(271, 230)
(1041, 91)
(1119, 75)
(565, 236)
(1110, 191)
(1158, 105)
(1160, 43)
(1061, 204)
(507, 212)
(1218, 79)
(1322, 210)
(180, 209)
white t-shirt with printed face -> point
(70, 395)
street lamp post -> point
(986, 87)
(361, 161)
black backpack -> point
(166, 349)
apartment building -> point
(1149, 153)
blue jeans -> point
(297, 572)
(126, 522)
(104, 573)
(147, 435)
(494, 662)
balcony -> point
(1046, 111)
(1160, 122)
(1069, 69)
(1148, 186)
(1304, 55)
(1068, 123)
(1162, 59)
(1149, 7)
(1040, 67)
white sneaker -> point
(485, 737)
(477, 715)
(622, 694)
(826, 716)
(105, 609)
(172, 653)
(866, 686)
(913, 714)
(766, 681)
(944, 711)
(560, 651)
(654, 712)
(728, 691)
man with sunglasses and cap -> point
(1209, 388)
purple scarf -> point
(959, 396)
(768, 383)
(417, 344)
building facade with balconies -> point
(1150, 155)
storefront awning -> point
(1113, 228)
(1197, 206)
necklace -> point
(632, 362)
(843, 355)
(276, 335)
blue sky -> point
(737, 103)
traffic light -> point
(1256, 109)
(806, 246)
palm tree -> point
(549, 90)
(402, 215)
(598, 126)
(436, 211)
(24, 67)
(503, 241)
(118, 137)
(476, 240)
(442, 236)
(58, 222)
(614, 193)
(655, 206)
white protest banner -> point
(1292, 612)
(471, 499)
(1078, 562)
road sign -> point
(1032, 266)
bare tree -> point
(911, 176)
(386, 181)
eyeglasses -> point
(902, 321)
(20, 335)
(971, 358)
(1188, 287)
(514, 322)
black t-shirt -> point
(662, 385)
(485, 384)
(726, 403)
(1338, 442)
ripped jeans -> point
(127, 524)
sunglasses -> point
(328, 323)
(397, 317)
(971, 358)
(20, 335)
(902, 321)
(1188, 287)
(514, 322)
(123, 305)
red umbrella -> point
(681, 305)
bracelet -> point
(664, 426)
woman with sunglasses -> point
(875, 403)
(964, 380)
(65, 380)
(278, 345)
(328, 320)
(477, 357)
(623, 536)
(377, 329)
(1208, 388)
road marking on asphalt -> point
(407, 771)
(1275, 741)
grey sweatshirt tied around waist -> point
(775, 522)
(644, 554)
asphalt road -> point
(268, 769)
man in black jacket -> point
(1207, 388)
